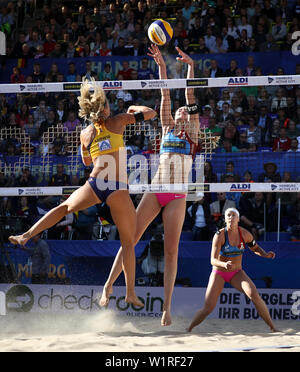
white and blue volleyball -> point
(160, 32)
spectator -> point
(84, 223)
(231, 71)
(72, 122)
(215, 70)
(40, 113)
(120, 49)
(229, 170)
(243, 144)
(252, 214)
(213, 128)
(49, 43)
(230, 133)
(294, 145)
(39, 260)
(218, 208)
(125, 72)
(253, 132)
(31, 129)
(292, 130)
(224, 116)
(279, 31)
(17, 77)
(199, 213)
(227, 146)
(37, 75)
(48, 123)
(269, 174)
(279, 101)
(59, 178)
(62, 229)
(269, 45)
(209, 175)
(210, 41)
(25, 179)
(72, 73)
(145, 72)
(283, 142)
(51, 76)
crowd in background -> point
(247, 119)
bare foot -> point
(166, 319)
(134, 301)
(18, 239)
(104, 300)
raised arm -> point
(165, 105)
(189, 92)
(135, 114)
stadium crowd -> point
(247, 119)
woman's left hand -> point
(184, 57)
(270, 255)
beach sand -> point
(108, 332)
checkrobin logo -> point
(19, 299)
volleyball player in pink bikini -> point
(228, 247)
(179, 139)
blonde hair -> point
(91, 104)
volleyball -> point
(160, 32)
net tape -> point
(220, 82)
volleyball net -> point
(220, 126)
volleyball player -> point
(228, 247)
(102, 145)
(178, 146)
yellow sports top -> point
(105, 142)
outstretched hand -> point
(156, 55)
(183, 57)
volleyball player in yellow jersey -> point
(179, 139)
(102, 145)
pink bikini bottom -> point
(166, 198)
(226, 275)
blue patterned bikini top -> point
(228, 250)
(180, 144)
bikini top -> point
(228, 250)
(105, 142)
(180, 144)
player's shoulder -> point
(247, 236)
(219, 233)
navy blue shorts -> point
(108, 188)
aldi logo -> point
(238, 81)
(240, 187)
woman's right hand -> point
(156, 55)
(229, 265)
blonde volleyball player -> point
(102, 145)
(228, 247)
(179, 139)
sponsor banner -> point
(285, 187)
(197, 83)
(155, 84)
(31, 191)
(283, 304)
(283, 80)
(136, 188)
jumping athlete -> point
(102, 145)
(179, 144)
